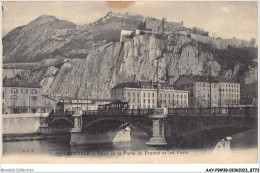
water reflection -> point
(60, 146)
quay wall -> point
(21, 123)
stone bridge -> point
(166, 126)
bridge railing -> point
(215, 111)
(128, 113)
(252, 111)
(143, 113)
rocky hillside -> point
(118, 62)
(48, 37)
(92, 69)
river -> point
(60, 146)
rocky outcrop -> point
(87, 61)
(113, 63)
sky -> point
(224, 19)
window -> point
(191, 94)
(164, 101)
(169, 102)
(137, 94)
(153, 94)
(14, 90)
(184, 96)
(14, 97)
(34, 98)
(148, 100)
(160, 95)
(164, 95)
(129, 95)
(24, 91)
(34, 91)
(133, 94)
(188, 85)
(13, 103)
(144, 100)
(203, 84)
(191, 85)
(144, 107)
(144, 94)
(169, 95)
(148, 94)
(181, 96)
(34, 103)
(184, 85)
(15, 111)
(133, 100)
(153, 100)
(137, 100)
(172, 95)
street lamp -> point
(220, 97)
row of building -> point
(187, 91)
(23, 96)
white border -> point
(124, 167)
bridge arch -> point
(119, 120)
(208, 134)
(62, 120)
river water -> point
(60, 146)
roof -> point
(198, 78)
(126, 84)
(15, 82)
(141, 84)
(49, 97)
(118, 101)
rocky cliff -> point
(113, 63)
(70, 62)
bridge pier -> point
(44, 127)
(76, 132)
(158, 118)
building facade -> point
(21, 96)
(249, 94)
(209, 92)
(144, 95)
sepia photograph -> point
(129, 82)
